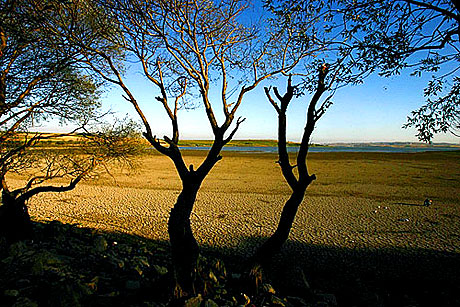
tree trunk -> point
(273, 245)
(184, 247)
(15, 224)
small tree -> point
(186, 49)
(40, 79)
(299, 183)
(329, 68)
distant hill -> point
(397, 144)
(235, 143)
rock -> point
(141, 261)
(124, 248)
(194, 301)
(25, 302)
(132, 285)
(43, 260)
(236, 276)
(328, 298)
(68, 293)
(210, 303)
(17, 249)
(11, 293)
(21, 283)
(268, 288)
(276, 301)
(212, 276)
(100, 244)
(296, 301)
(115, 262)
(161, 270)
(93, 284)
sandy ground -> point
(360, 200)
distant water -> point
(331, 149)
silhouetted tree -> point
(328, 68)
(297, 182)
(187, 49)
(41, 79)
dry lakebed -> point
(365, 210)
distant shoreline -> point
(273, 143)
(323, 149)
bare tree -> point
(186, 49)
(299, 183)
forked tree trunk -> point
(297, 184)
(184, 247)
(15, 224)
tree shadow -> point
(66, 265)
(363, 276)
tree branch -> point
(304, 177)
(239, 121)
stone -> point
(268, 289)
(25, 302)
(11, 292)
(42, 261)
(276, 301)
(236, 276)
(100, 244)
(161, 270)
(132, 285)
(212, 276)
(210, 303)
(17, 249)
(296, 301)
(141, 261)
(194, 301)
(328, 298)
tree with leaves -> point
(41, 79)
(421, 36)
(389, 37)
(188, 49)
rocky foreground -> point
(66, 265)
(70, 266)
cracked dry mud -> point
(359, 201)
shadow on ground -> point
(362, 277)
(66, 265)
